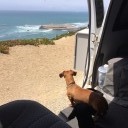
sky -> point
(47, 5)
(51, 5)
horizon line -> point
(45, 10)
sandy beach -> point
(32, 73)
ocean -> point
(25, 24)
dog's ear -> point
(74, 73)
(61, 74)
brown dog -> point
(78, 94)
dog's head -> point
(67, 73)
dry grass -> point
(4, 45)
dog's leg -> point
(71, 100)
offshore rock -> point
(60, 27)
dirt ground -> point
(30, 72)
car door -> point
(114, 41)
(113, 46)
(96, 16)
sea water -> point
(25, 24)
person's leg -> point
(28, 114)
(116, 117)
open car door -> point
(113, 50)
(96, 16)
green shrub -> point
(45, 41)
(4, 45)
(4, 49)
(64, 35)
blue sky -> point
(51, 5)
(55, 5)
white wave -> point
(80, 24)
(30, 28)
(27, 28)
(46, 30)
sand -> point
(32, 73)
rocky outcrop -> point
(60, 27)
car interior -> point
(113, 50)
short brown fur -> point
(77, 94)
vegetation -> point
(63, 35)
(4, 49)
(4, 45)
